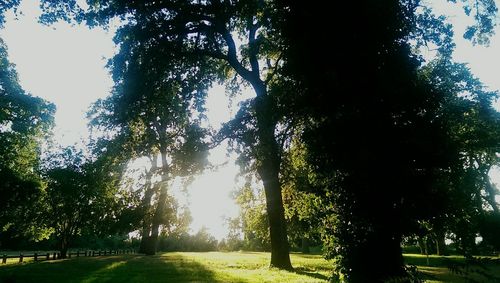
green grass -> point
(435, 269)
(169, 267)
(249, 267)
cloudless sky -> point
(65, 65)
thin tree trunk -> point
(440, 243)
(421, 245)
(305, 245)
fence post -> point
(4, 258)
(35, 257)
(21, 257)
(93, 253)
(54, 256)
(78, 253)
(48, 256)
(85, 252)
(69, 254)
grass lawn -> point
(169, 267)
(202, 267)
(434, 269)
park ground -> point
(202, 267)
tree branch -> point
(253, 47)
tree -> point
(5, 6)
(368, 119)
(207, 30)
(24, 123)
(151, 111)
(304, 210)
(70, 201)
(366, 115)
(84, 196)
(474, 131)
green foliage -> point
(24, 122)
(196, 42)
(252, 221)
(202, 241)
(82, 197)
(390, 142)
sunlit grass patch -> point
(254, 267)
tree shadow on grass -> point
(310, 273)
(127, 268)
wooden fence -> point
(55, 256)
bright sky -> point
(65, 64)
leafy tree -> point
(81, 198)
(304, 210)
(69, 200)
(24, 123)
(374, 130)
(474, 131)
(377, 137)
(151, 111)
(208, 32)
(252, 219)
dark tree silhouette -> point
(374, 127)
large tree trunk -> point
(268, 158)
(389, 263)
(279, 243)
(146, 205)
(64, 247)
(159, 215)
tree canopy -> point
(24, 122)
(354, 135)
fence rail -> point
(56, 255)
